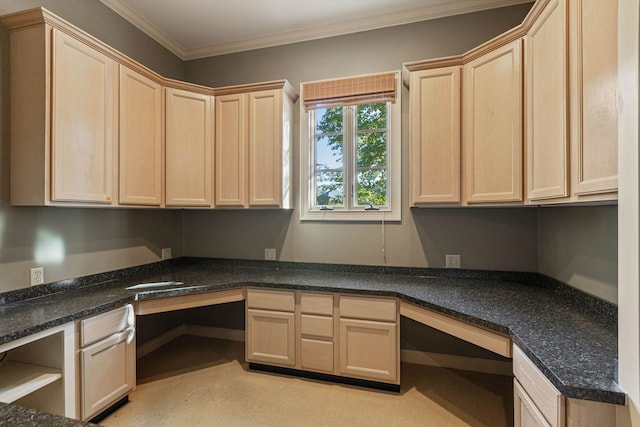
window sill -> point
(348, 216)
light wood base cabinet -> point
(39, 371)
(107, 359)
(271, 337)
(343, 335)
(368, 350)
(537, 403)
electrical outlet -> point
(166, 253)
(37, 276)
(452, 261)
(270, 254)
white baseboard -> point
(214, 332)
(464, 363)
(487, 366)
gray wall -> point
(502, 239)
(579, 246)
(88, 240)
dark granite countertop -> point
(16, 416)
(570, 336)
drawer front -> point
(316, 326)
(267, 299)
(545, 396)
(316, 355)
(381, 309)
(103, 325)
(311, 303)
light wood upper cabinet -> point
(492, 126)
(253, 138)
(189, 147)
(434, 120)
(265, 148)
(141, 140)
(231, 150)
(63, 117)
(84, 122)
(546, 103)
(594, 114)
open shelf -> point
(19, 379)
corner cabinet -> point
(339, 335)
(434, 120)
(189, 148)
(492, 127)
(253, 145)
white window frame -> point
(392, 212)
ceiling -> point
(199, 28)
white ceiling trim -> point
(146, 26)
(347, 27)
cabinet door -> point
(492, 131)
(434, 115)
(265, 148)
(141, 140)
(525, 412)
(369, 350)
(231, 150)
(594, 114)
(108, 372)
(84, 122)
(546, 93)
(189, 146)
(270, 337)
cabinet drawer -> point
(317, 326)
(267, 299)
(103, 325)
(311, 303)
(316, 355)
(545, 396)
(382, 309)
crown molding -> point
(144, 25)
(453, 8)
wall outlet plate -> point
(452, 261)
(270, 254)
(166, 253)
(37, 276)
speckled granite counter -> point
(570, 337)
(16, 416)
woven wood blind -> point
(350, 91)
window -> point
(350, 158)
